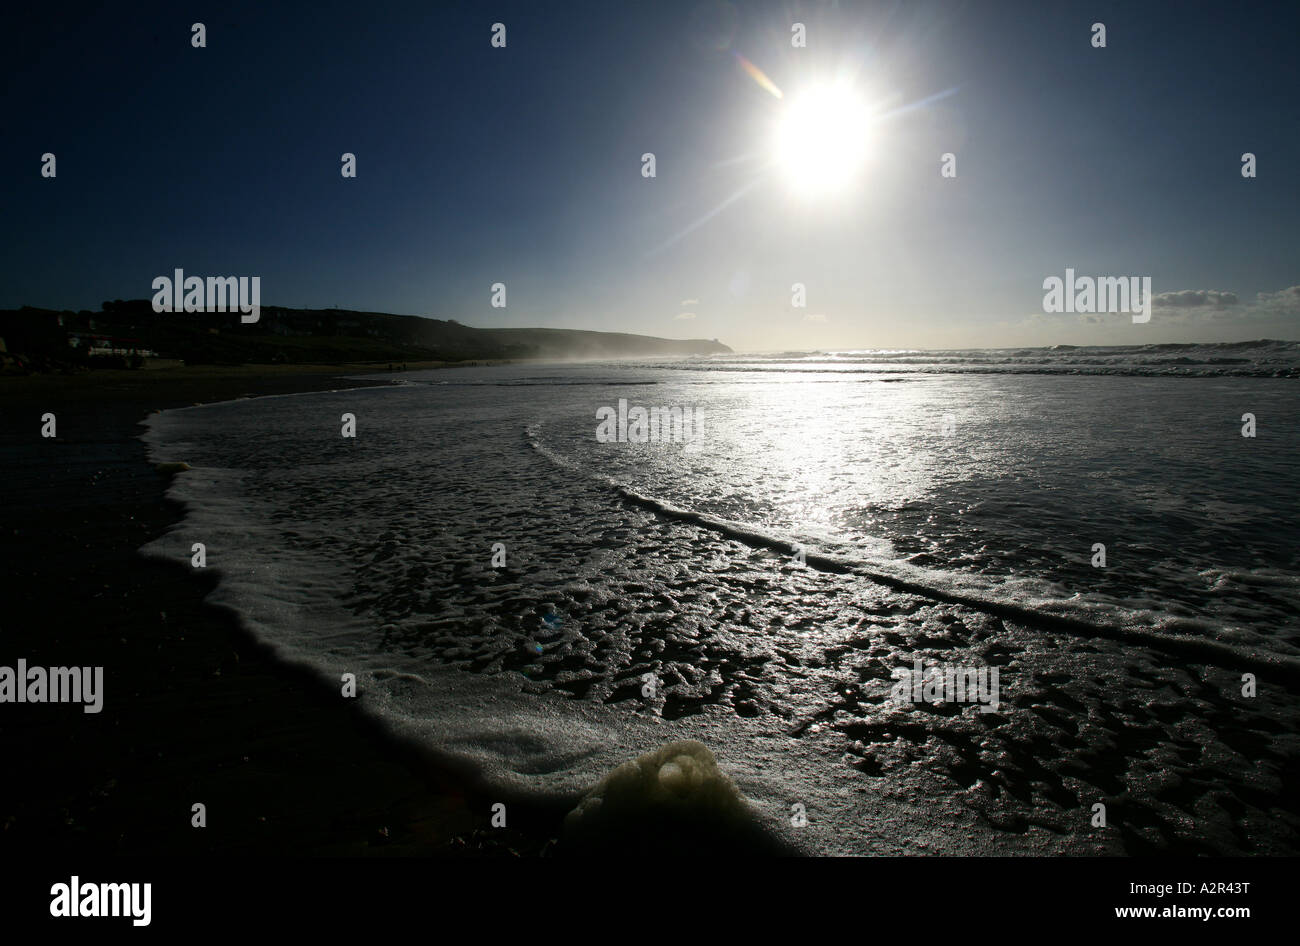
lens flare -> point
(757, 75)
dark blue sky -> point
(522, 165)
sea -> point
(1115, 532)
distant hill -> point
(301, 336)
(553, 343)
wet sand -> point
(194, 709)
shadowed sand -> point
(195, 711)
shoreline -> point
(198, 710)
(195, 710)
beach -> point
(669, 435)
(195, 710)
(912, 603)
(869, 586)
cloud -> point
(686, 302)
(684, 315)
(1283, 302)
(1209, 306)
(1189, 309)
(1187, 298)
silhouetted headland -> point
(131, 334)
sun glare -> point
(821, 139)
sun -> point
(821, 139)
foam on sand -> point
(673, 798)
(360, 558)
(1015, 601)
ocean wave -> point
(1263, 359)
(370, 557)
(1024, 602)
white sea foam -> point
(373, 557)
